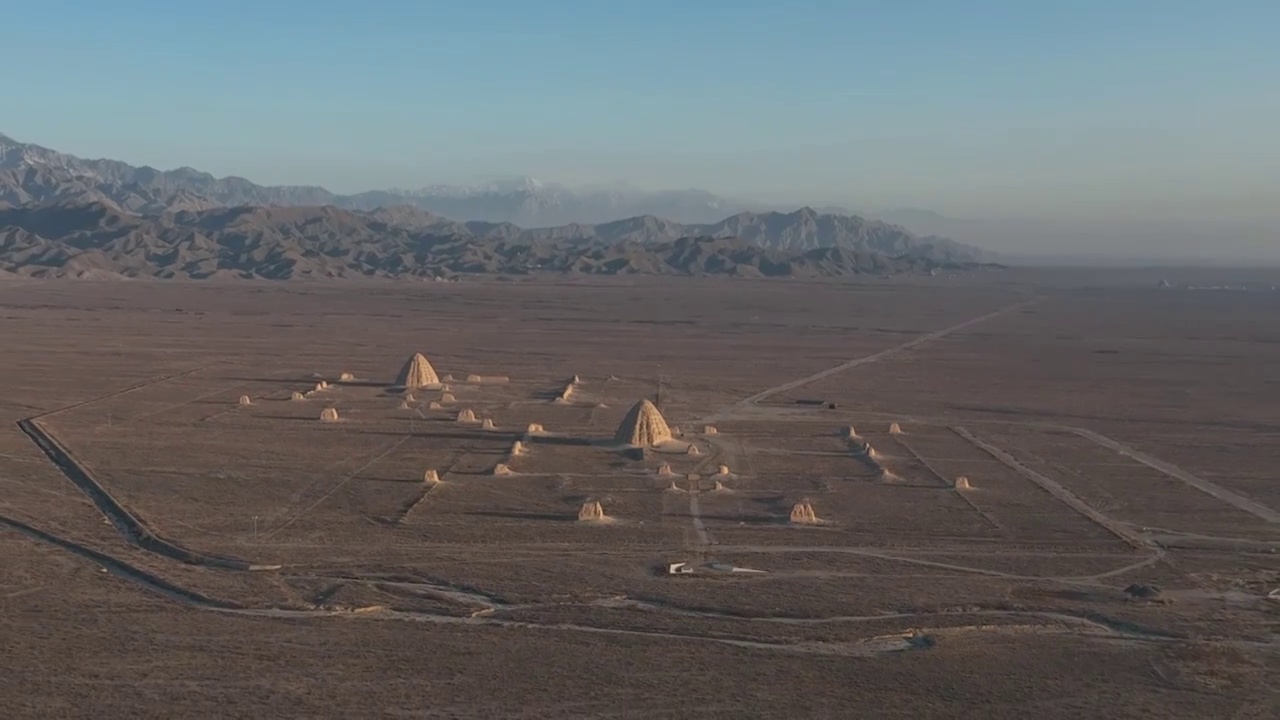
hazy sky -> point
(1116, 109)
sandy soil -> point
(271, 564)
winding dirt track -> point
(1043, 622)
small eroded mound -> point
(592, 511)
(802, 514)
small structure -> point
(431, 477)
(474, 379)
(245, 400)
(346, 377)
(591, 511)
(679, 568)
(665, 470)
(566, 393)
(466, 415)
(802, 514)
(1139, 591)
(487, 424)
(534, 429)
(575, 380)
(962, 483)
(727, 568)
(448, 398)
(517, 449)
(501, 469)
(404, 405)
(722, 470)
(692, 450)
(851, 432)
(329, 415)
(297, 396)
(710, 430)
(895, 429)
(319, 386)
(433, 405)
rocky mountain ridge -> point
(100, 240)
(64, 215)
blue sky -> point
(974, 108)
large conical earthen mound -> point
(643, 426)
(417, 372)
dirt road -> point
(849, 365)
(1253, 508)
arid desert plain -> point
(1048, 494)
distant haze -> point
(1130, 129)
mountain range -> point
(63, 215)
(34, 174)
